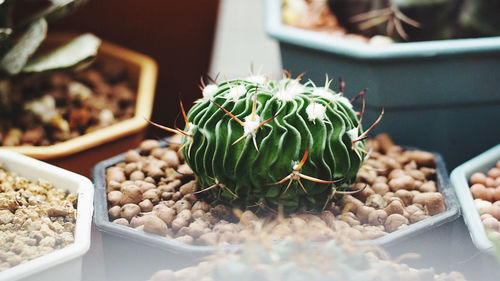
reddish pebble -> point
(478, 178)
(496, 193)
(491, 223)
(494, 173)
(494, 211)
(479, 191)
(491, 194)
(490, 182)
(485, 216)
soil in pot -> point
(35, 219)
(485, 189)
(54, 107)
(155, 191)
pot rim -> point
(146, 83)
(276, 29)
(460, 180)
(33, 169)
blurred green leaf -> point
(54, 11)
(78, 50)
(15, 59)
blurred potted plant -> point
(144, 26)
(446, 84)
(28, 64)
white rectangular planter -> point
(64, 264)
(460, 180)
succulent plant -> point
(21, 38)
(260, 142)
(413, 20)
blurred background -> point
(189, 39)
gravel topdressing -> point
(153, 191)
(35, 219)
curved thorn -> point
(202, 83)
(182, 132)
(229, 113)
(341, 86)
(362, 112)
(206, 189)
(370, 14)
(254, 105)
(175, 131)
(268, 120)
(300, 76)
(399, 28)
(328, 81)
(189, 149)
(330, 196)
(213, 80)
(255, 143)
(311, 82)
(303, 160)
(283, 180)
(309, 178)
(183, 112)
(373, 22)
(288, 186)
(302, 186)
(184, 145)
(365, 134)
(238, 140)
(390, 28)
(352, 191)
(356, 151)
(362, 93)
(287, 74)
(229, 190)
(406, 19)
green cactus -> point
(253, 142)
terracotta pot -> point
(80, 154)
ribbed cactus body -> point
(305, 118)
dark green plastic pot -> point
(439, 95)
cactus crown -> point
(260, 142)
